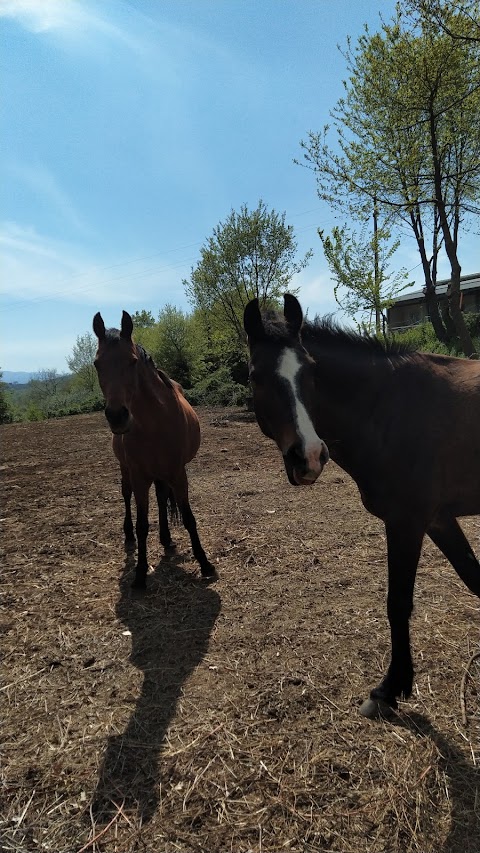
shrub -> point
(34, 413)
(217, 389)
(423, 338)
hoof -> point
(129, 545)
(209, 572)
(170, 550)
(376, 709)
(139, 583)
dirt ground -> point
(222, 717)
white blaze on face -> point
(313, 446)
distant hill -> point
(18, 377)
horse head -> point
(283, 384)
(115, 362)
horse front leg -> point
(141, 499)
(404, 544)
(127, 521)
(180, 489)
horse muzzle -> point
(119, 420)
(303, 471)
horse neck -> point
(348, 393)
(150, 394)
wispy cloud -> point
(43, 15)
(36, 269)
(43, 184)
(70, 18)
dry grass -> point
(222, 717)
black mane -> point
(325, 331)
(112, 336)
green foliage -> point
(6, 415)
(217, 389)
(422, 337)
(52, 396)
(174, 344)
(143, 319)
(408, 135)
(34, 413)
(250, 254)
(359, 265)
(81, 362)
(76, 402)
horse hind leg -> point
(188, 518)
(449, 537)
(166, 504)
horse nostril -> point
(116, 417)
(296, 455)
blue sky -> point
(131, 129)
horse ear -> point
(252, 320)
(293, 314)
(127, 326)
(99, 326)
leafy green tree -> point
(408, 132)
(251, 254)
(5, 408)
(173, 343)
(459, 19)
(359, 266)
(43, 385)
(80, 362)
(143, 319)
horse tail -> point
(172, 507)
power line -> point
(34, 300)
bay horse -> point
(404, 425)
(155, 434)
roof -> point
(467, 282)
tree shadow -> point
(464, 785)
(170, 626)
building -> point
(410, 308)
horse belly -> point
(161, 453)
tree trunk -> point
(431, 302)
(453, 293)
(430, 292)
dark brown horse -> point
(155, 434)
(404, 425)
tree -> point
(81, 362)
(459, 19)
(359, 265)
(48, 379)
(5, 411)
(173, 344)
(408, 130)
(250, 254)
(143, 319)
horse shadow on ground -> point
(463, 785)
(170, 625)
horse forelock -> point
(276, 329)
(112, 336)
